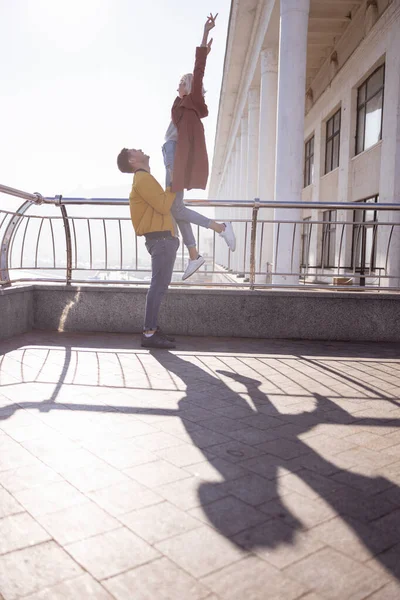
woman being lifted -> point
(185, 154)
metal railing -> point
(104, 249)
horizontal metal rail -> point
(91, 245)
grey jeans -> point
(182, 215)
(163, 253)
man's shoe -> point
(157, 341)
(192, 267)
(229, 236)
(170, 338)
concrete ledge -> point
(16, 311)
(346, 316)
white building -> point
(310, 110)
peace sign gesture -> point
(210, 23)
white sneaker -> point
(229, 236)
(192, 267)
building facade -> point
(310, 111)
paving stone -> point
(159, 579)
(261, 421)
(284, 448)
(352, 537)
(111, 553)
(26, 571)
(159, 522)
(253, 579)
(157, 441)
(335, 577)
(79, 588)
(124, 497)
(15, 480)
(187, 551)
(253, 489)
(8, 504)
(205, 438)
(14, 457)
(236, 452)
(216, 469)
(49, 498)
(296, 510)
(228, 515)
(19, 531)
(77, 522)
(391, 591)
(222, 424)
(125, 455)
(327, 445)
(253, 436)
(184, 455)
(192, 492)
(267, 466)
(156, 473)
(278, 543)
(89, 479)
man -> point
(150, 213)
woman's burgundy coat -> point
(191, 160)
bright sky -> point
(84, 78)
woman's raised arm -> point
(201, 57)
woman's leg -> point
(185, 228)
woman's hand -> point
(210, 24)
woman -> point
(185, 154)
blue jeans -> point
(163, 253)
(182, 215)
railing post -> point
(5, 244)
(253, 243)
(68, 244)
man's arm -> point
(151, 191)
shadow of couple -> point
(249, 507)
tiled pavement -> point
(228, 469)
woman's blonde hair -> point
(187, 79)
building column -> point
(267, 151)
(290, 132)
(239, 256)
(236, 164)
(253, 124)
(389, 191)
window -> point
(363, 256)
(328, 239)
(370, 110)
(309, 162)
(332, 142)
(305, 243)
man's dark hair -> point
(123, 161)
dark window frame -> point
(330, 141)
(328, 232)
(362, 106)
(359, 240)
(306, 228)
(309, 161)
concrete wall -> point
(16, 311)
(237, 313)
